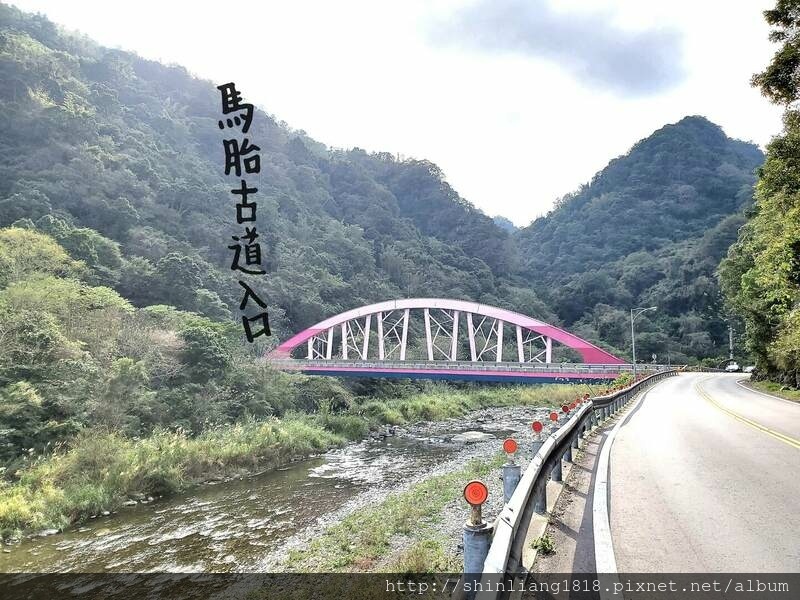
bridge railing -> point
(300, 364)
(504, 559)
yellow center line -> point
(778, 436)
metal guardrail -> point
(442, 365)
(504, 559)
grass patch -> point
(544, 544)
(776, 389)
(102, 469)
(447, 403)
(361, 539)
(428, 555)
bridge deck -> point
(465, 371)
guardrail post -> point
(576, 440)
(511, 472)
(557, 474)
(477, 535)
(511, 475)
(568, 453)
(540, 496)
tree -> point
(179, 277)
(24, 423)
(761, 274)
(124, 396)
(28, 205)
(780, 81)
(32, 345)
(211, 305)
(101, 255)
(24, 252)
(205, 353)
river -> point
(245, 525)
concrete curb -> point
(767, 394)
(605, 560)
(539, 523)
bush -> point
(624, 379)
(544, 544)
(310, 392)
(382, 413)
(353, 427)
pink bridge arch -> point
(381, 332)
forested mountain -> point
(648, 230)
(118, 159)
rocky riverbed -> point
(250, 524)
(456, 442)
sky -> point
(518, 101)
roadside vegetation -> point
(362, 540)
(776, 389)
(761, 274)
(544, 544)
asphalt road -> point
(697, 488)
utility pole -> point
(635, 312)
(730, 342)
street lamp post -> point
(635, 312)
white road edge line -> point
(760, 393)
(604, 559)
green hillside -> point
(649, 229)
(119, 159)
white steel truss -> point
(487, 340)
(529, 348)
(395, 332)
(446, 328)
(321, 345)
(441, 326)
(355, 338)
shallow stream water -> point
(243, 525)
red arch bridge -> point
(438, 338)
